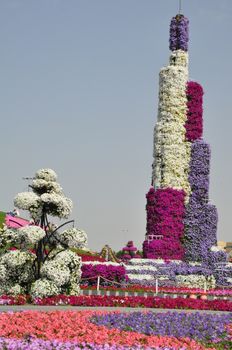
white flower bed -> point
(144, 262)
(139, 268)
(140, 277)
(107, 263)
(196, 281)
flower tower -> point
(181, 224)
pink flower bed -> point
(139, 301)
(75, 326)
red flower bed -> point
(92, 258)
(10, 300)
(148, 302)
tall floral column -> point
(181, 224)
(170, 185)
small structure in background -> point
(108, 254)
(130, 251)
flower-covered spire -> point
(179, 33)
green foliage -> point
(2, 218)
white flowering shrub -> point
(42, 262)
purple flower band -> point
(179, 33)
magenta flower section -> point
(165, 228)
(194, 123)
(179, 33)
(90, 272)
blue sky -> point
(79, 93)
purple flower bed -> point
(165, 213)
(197, 326)
(179, 33)
(110, 272)
(194, 123)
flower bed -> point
(167, 290)
(137, 301)
(75, 330)
(200, 327)
(111, 272)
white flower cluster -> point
(171, 151)
(61, 272)
(56, 204)
(30, 235)
(3, 273)
(29, 201)
(73, 237)
(43, 288)
(47, 193)
(56, 271)
(8, 236)
(68, 258)
(41, 186)
(196, 281)
(17, 258)
(46, 174)
(179, 58)
(16, 268)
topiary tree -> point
(42, 262)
